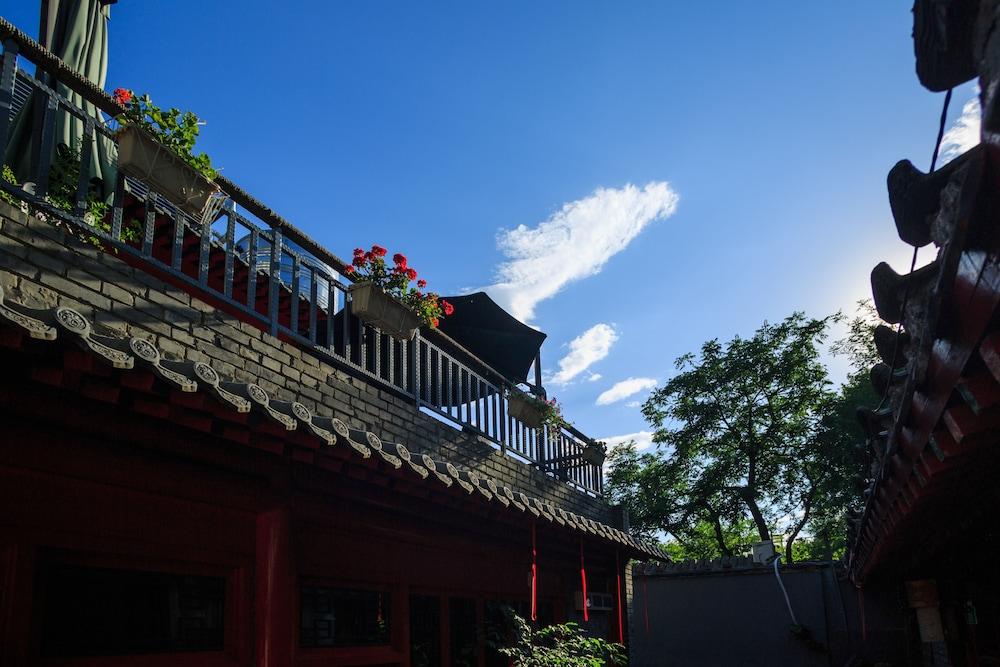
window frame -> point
(236, 601)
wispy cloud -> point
(643, 440)
(622, 390)
(573, 243)
(964, 133)
(594, 377)
(586, 349)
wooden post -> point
(275, 590)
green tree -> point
(842, 439)
(738, 431)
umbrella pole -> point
(538, 370)
(43, 25)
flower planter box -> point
(524, 410)
(595, 454)
(140, 155)
(380, 310)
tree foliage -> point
(751, 440)
(563, 645)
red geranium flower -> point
(379, 251)
(122, 96)
(348, 269)
(359, 260)
(448, 308)
(435, 322)
(411, 274)
(421, 283)
(399, 258)
(358, 252)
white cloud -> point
(624, 389)
(573, 243)
(586, 349)
(964, 133)
(643, 440)
(633, 404)
(594, 377)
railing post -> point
(413, 347)
(148, 225)
(8, 74)
(293, 306)
(274, 280)
(227, 281)
(253, 263)
(502, 416)
(45, 110)
(83, 178)
(117, 212)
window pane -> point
(464, 643)
(425, 631)
(343, 617)
(94, 611)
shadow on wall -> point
(739, 617)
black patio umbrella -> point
(77, 32)
(492, 334)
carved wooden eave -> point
(290, 422)
(941, 375)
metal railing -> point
(254, 262)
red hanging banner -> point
(583, 583)
(534, 575)
(618, 592)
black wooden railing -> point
(252, 260)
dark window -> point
(343, 617)
(425, 631)
(89, 611)
(464, 642)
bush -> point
(564, 645)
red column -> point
(583, 583)
(275, 590)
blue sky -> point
(681, 171)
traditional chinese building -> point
(207, 459)
(929, 530)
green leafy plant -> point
(64, 177)
(398, 282)
(8, 175)
(174, 129)
(563, 645)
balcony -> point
(248, 261)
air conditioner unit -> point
(763, 552)
(595, 601)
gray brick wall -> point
(41, 265)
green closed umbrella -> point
(77, 32)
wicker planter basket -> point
(524, 410)
(380, 310)
(140, 155)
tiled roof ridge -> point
(722, 564)
(129, 352)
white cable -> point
(784, 592)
